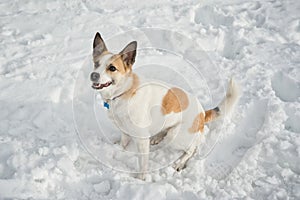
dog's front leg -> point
(143, 150)
(125, 139)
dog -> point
(129, 102)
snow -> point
(45, 55)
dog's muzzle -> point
(99, 86)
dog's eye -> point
(112, 68)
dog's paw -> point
(155, 140)
(122, 144)
(179, 166)
(141, 176)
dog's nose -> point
(95, 76)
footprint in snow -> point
(285, 88)
(208, 15)
(6, 171)
(292, 123)
(288, 90)
(230, 151)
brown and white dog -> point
(129, 100)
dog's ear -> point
(128, 53)
(98, 45)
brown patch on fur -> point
(210, 115)
(175, 101)
(135, 83)
(201, 119)
(116, 60)
(198, 124)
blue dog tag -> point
(106, 105)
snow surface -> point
(45, 44)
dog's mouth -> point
(98, 86)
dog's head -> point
(111, 70)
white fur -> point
(140, 116)
(104, 77)
(231, 98)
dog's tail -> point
(227, 104)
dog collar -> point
(106, 104)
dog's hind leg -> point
(155, 139)
(181, 162)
